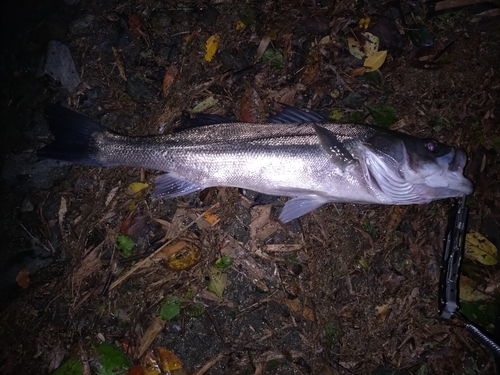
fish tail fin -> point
(74, 135)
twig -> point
(207, 366)
(34, 238)
(146, 260)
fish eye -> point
(431, 145)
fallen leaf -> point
(469, 292)
(134, 24)
(205, 104)
(364, 23)
(251, 109)
(112, 359)
(23, 279)
(293, 304)
(375, 61)
(70, 367)
(169, 78)
(210, 217)
(185, 258)
(262, 47)
(479, 248)
(169, 250)
(133, 225)
(362, 45)
(211, 45)
(189, 38)
(224, 262)
(125, 245)
(240, 25)
(168, 360)
(217, 281)
(170, 307)
(359, 71)
(154, 329)
(150, 365)
(308, 314)
(136, 187)
(274, 58)
(136, 370)
(382, 312)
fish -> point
(295, 153)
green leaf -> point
(274, 58)
(336, 114)
(421, 37)
(480, 312)
(193, 310)
(218, 281)
(170, 308)
(70, 367)
(384, 114)
(113, 360)
(224, 262)
(125, 245)
(356, 117)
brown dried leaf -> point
(262, 47)
(359, 71)
(23, 279)
(169, 250)
(154, 329)
(169, 78)
(382, 312)
(134, 24)
(251, 106)
(308, 314)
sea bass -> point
(295, 153)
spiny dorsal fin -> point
(291, 115)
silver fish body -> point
(297, 154)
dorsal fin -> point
(292, 115)
(202, 119)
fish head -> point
(416, 170)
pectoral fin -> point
(170, 186)
(299, 206)
(334, 147)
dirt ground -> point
(346, 289)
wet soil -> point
(346, 289)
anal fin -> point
(299, 206)
(170, 186)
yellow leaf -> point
(364, 23)
(273, 34)
(185, 258)
(205, 104)
(478, 247)
(136, 187)
(469, 292)
(375, 61)
(240, 25)
(211, 45)
(168, 360)
(210, 217)
(364, 46)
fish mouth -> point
(453, 164)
